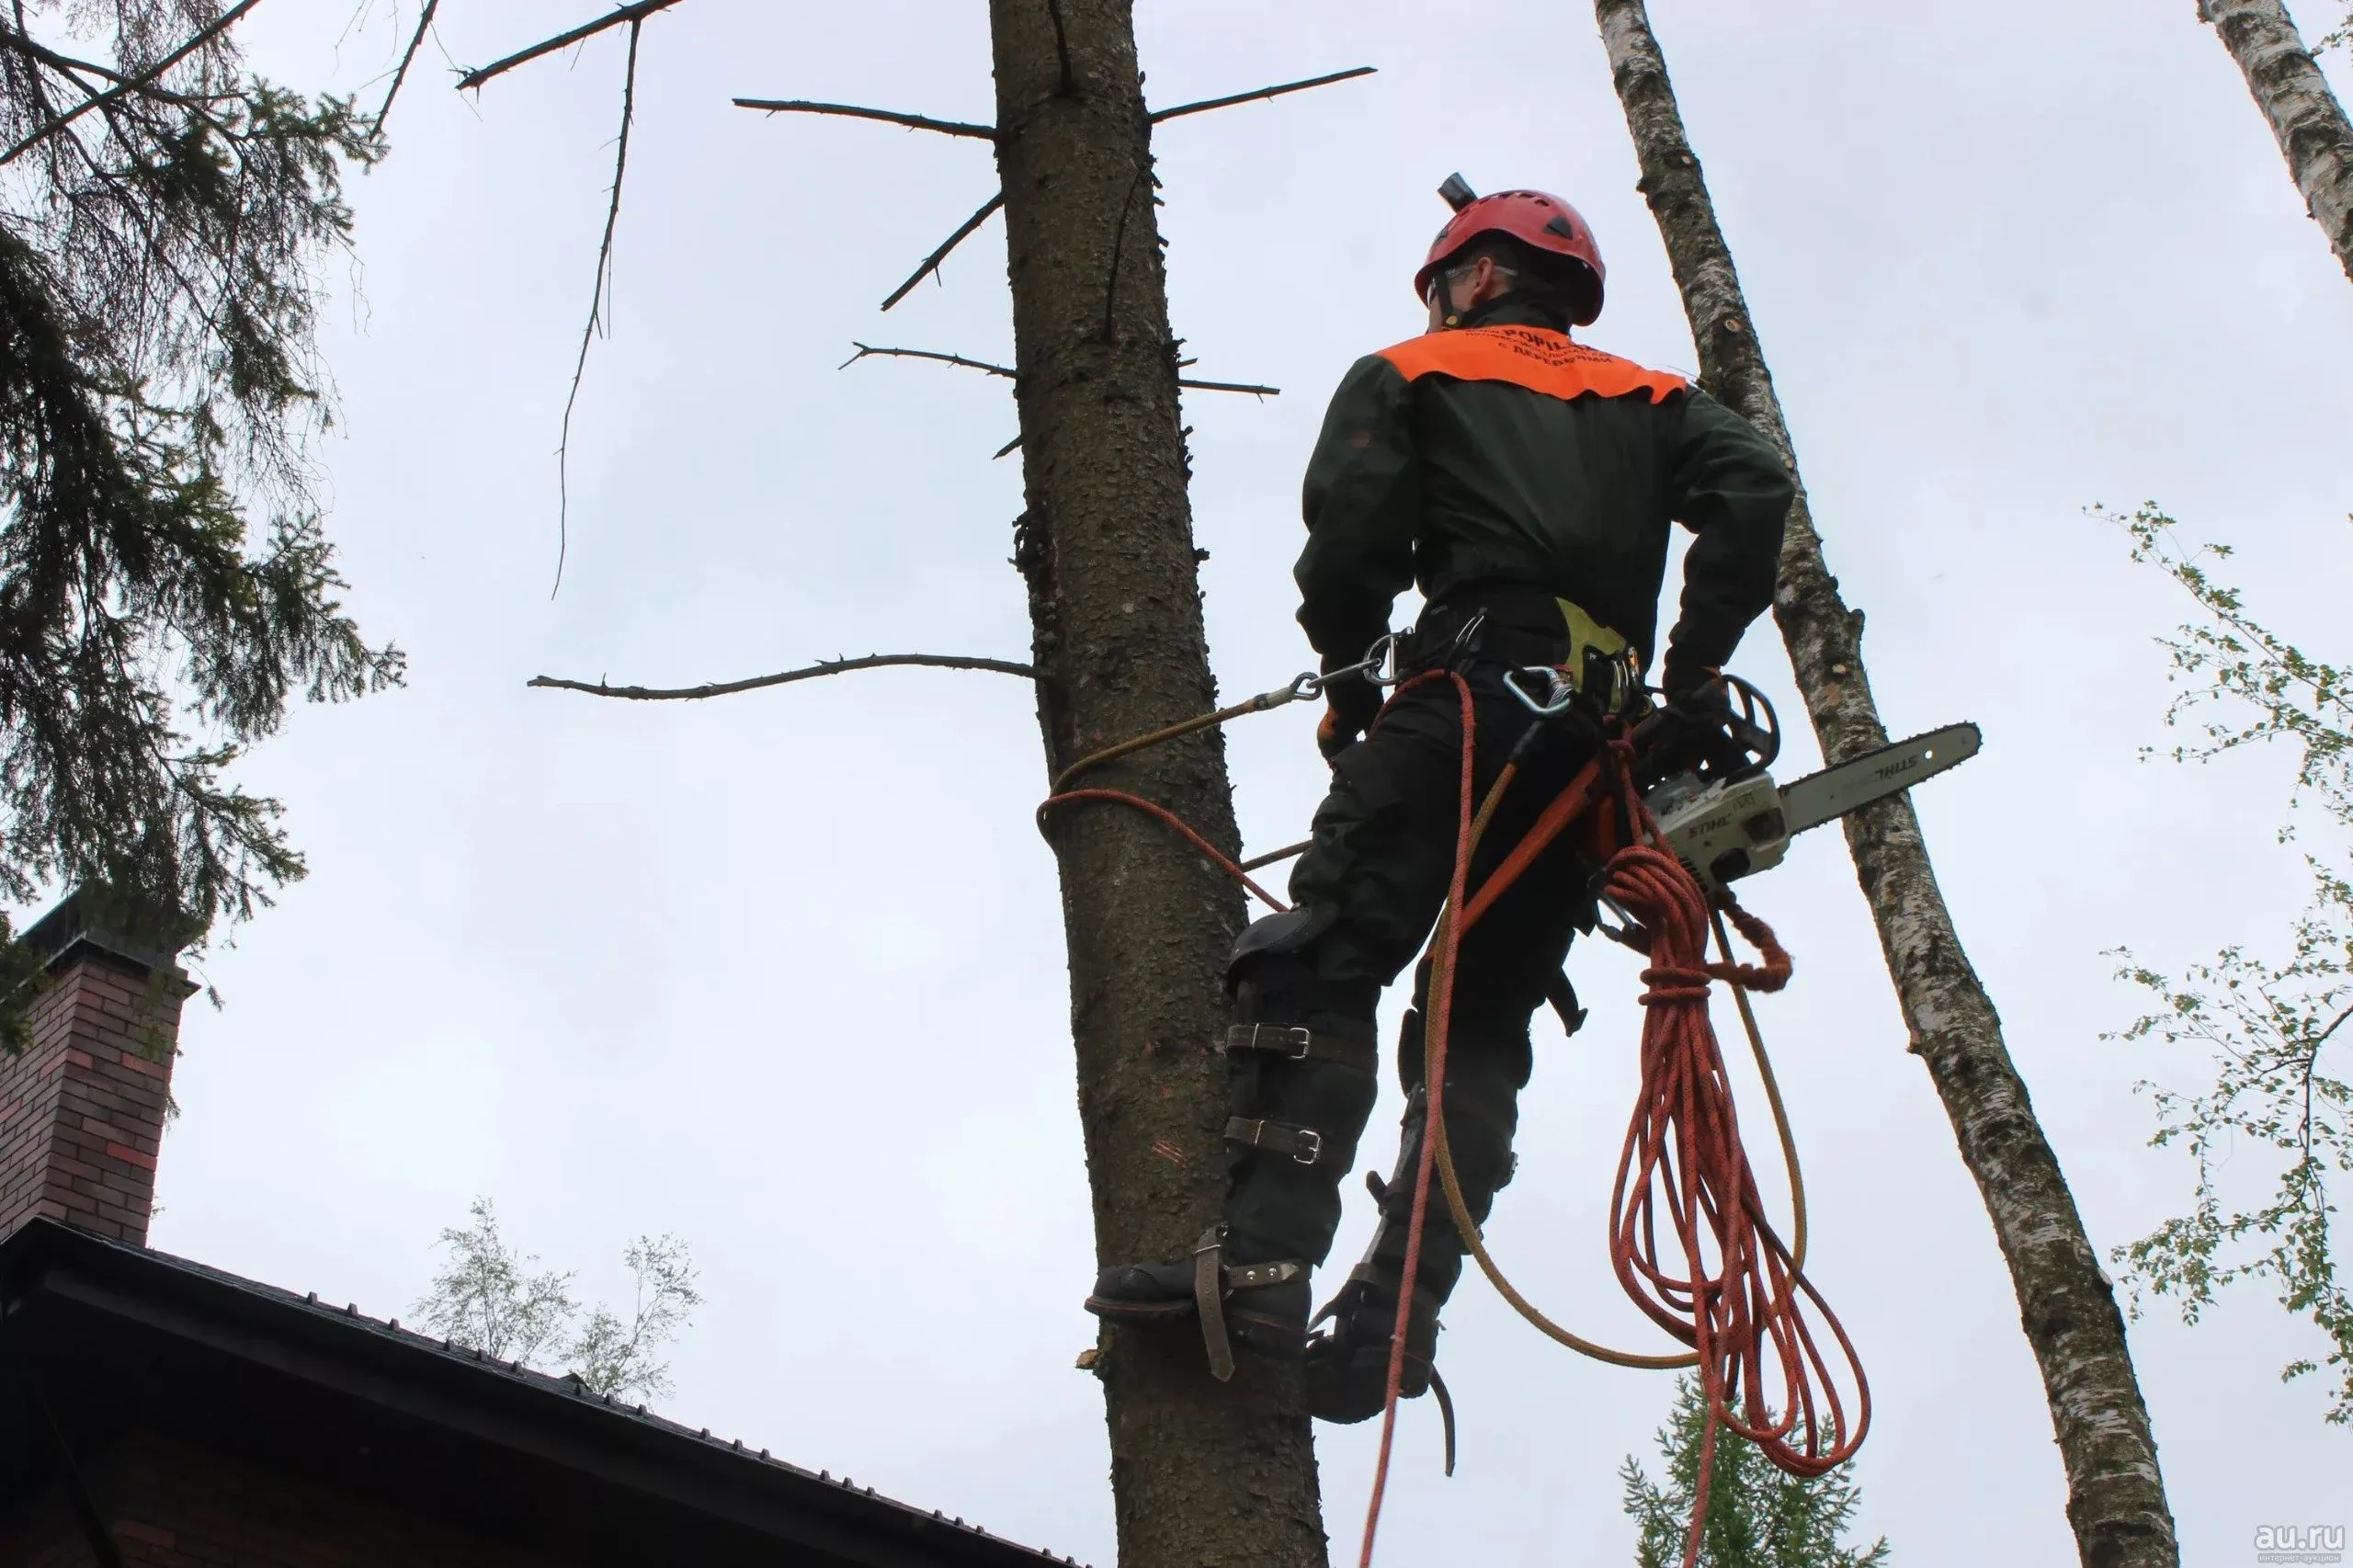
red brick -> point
(82, 1109)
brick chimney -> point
(82, 1109)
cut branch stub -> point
(757, 683)
(636, 13)
(854, 111)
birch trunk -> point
(2115, 1495)
(2303, 114)
(1203, 1474)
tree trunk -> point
(1202, 1473)
(2304, 116)
(2116, 1497)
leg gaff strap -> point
(1208, 1295)
(1214, 1279)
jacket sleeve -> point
(1363, 505)
(1731, 488)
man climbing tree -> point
(1527, 484)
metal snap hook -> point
(1556, 700)
(1380, 661)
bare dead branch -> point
(864, 349)
(597, 315)
(408, 58)
(144, 80)
(67, 65)
(1010, 447)
(1208, 104)
(632, 15)
(931, 263)
(830, 667)
(1232, 387)
(852, 111)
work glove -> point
(1350, 704)
(1694, 726)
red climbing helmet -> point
(1534, 218)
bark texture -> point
(2303, 114)
(1202, 1473)
(2115, 1495)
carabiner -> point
(1379, 665)
(1556, 700)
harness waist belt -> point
(1522, 626)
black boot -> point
(1263, 1305)
(1302, 1070)
(1347, 1363)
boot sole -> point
(1284, 1341)
(1141, 1311)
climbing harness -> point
(1738, 1297)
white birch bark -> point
(2304, 116)
(2116, 1495)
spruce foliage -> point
(164, 585)
(1758, 1517)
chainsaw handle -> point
(1751, 725)
(1762, 740)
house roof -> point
(116, 1337)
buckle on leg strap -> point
(1296, 1042)
(1304, 1145)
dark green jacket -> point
(1505, 453)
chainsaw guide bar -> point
(1737, 828)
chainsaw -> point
(1725, 816)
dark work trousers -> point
(1369, 888)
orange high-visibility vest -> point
(1531, 356)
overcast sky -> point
(783, 973)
